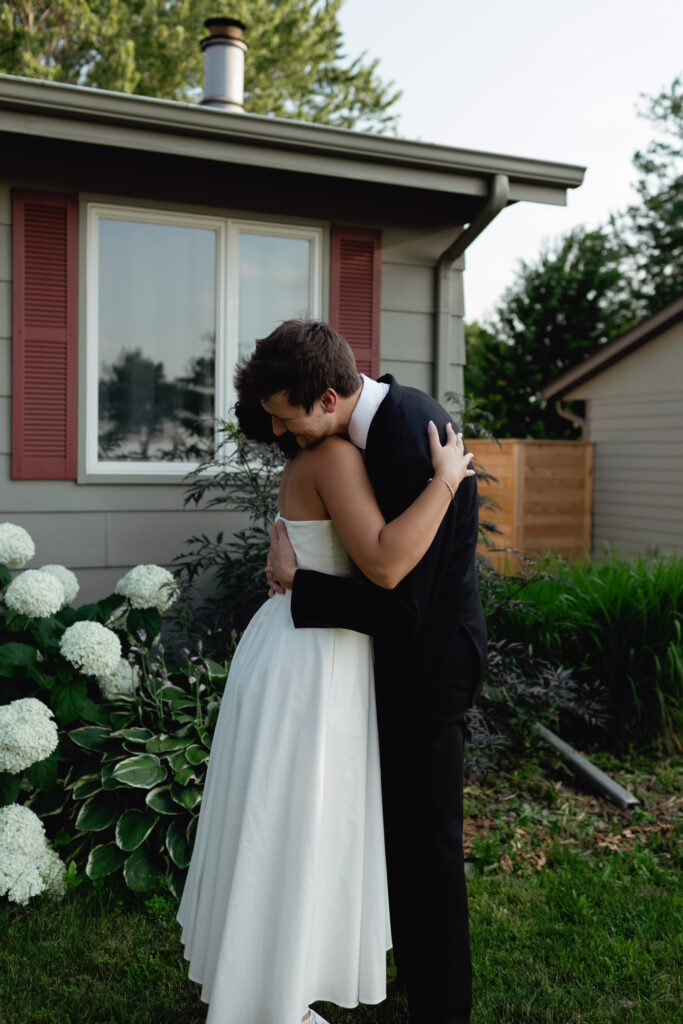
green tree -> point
(490, 368)
(296, 65)
(651, 230)
(558, 310)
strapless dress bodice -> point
(317, 546)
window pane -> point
(274, 285)
(157, 335)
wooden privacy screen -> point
(545, 494)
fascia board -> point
(238, 153)
(30, 106)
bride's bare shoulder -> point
(337, 459)
(336, 448)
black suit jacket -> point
(418, 626)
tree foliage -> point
(296, 65)
(651, 230)
(558, 310)
(585, 290)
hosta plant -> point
(136, 796)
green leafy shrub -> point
(523, 686)
(244, 476)
(620, 623)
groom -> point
(429, 642)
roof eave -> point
(31, 106)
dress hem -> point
(317, 999)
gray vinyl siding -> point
(102, 529)
(635, 413)
(408, 296)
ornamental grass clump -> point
(619, 621)
(16, 546)
(28, 734)
(91, 648)
(29, 866)
(35, 594)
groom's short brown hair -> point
(301, 357)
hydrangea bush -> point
(28, 734)
(35, 594)
(29, 866)
(68, 675)
(16, 546)
(67, 578)
(91, 648)
(148, 586)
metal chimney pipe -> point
(224, 51)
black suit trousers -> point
(422, 731)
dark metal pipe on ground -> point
(586, 770)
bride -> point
(285, 901)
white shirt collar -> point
(369, 401)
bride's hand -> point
(282, 564)
(449, 460)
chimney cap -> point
(230, 28)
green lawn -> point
(576, 917)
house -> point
(145, 244)
(633, 390)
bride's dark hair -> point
(257, 425)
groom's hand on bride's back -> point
(281, 564)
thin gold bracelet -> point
(443, 481)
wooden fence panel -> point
(544, 491)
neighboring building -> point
(633, 390)
(147, 243)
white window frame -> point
(227, 231)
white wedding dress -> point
(285, 901)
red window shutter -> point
(45, 335)
(356, 265)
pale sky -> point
(537, 78)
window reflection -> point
(157, 334)
(274, 285)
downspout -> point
(443, 280)
(571, 416)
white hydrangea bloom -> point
(28, 864)
(35, 593)
(148, 586)
(66, 577)
(122, 681)
(91, 648)
(27, 734)
(16, 546)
